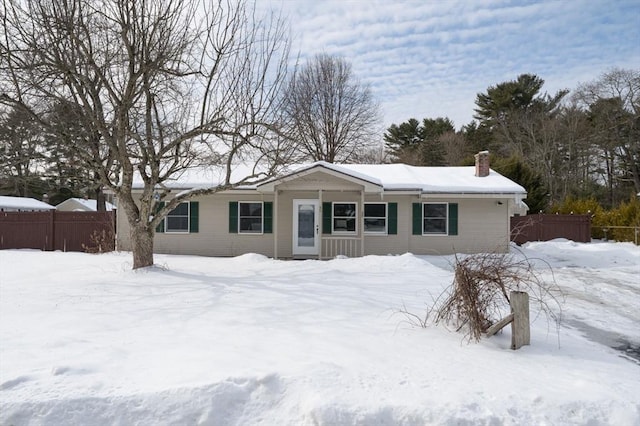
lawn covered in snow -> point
(250, 340)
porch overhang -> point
(366, 183)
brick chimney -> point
(482, 164)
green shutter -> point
(326, 218)
(392, 214)
(417, 219)
(453, 218)
(233, 217)
(267, 212)
(194, 207)
(160, 227)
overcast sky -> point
(430, 58)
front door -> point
(306, 227)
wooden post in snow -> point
(520, 330)
(519, 319)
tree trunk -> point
(100, 201)
(142, 246)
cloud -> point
(431, 58)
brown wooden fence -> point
(54, 230)
(545, 227)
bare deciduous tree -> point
(160, 86)
(332, 115)
(613, 105)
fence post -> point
(51, 244)
(520, 329)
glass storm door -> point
(306, 232)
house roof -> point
(201, 177)
(23, 203)
(85, 204)
(402, 177)
(389, 177)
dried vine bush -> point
(100, 242)
(479, 294)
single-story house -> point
(82, 205)
(23, 204)
(323, 210)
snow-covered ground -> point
(84, 340)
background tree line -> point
(580, 144)
(99, 95)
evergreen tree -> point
(402, 138)
(518, 171)
(417, 143)
(21, 156)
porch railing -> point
(340, 246)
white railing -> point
(340, 246)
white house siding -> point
(213, 237)
(392, 244)
(483, 226)
(318, 180)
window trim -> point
(386, 219)
(333, 217)
(240, 231)
(178, 231)
(446, 219)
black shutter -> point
(392, 214)
(417, 219)
(160, 227)
(267, 212)
(326, 218)
(453, 218)
(233, 217)
(194, 207)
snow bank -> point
(251, 340)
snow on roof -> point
(23, 203)
(435, 179)
(203, 177)
(89, 204)
(391, 177)
(396, 177)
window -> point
(344, 218)
(183, 219)
(375, 218)
(178, 219)
(250, 218)
(434, 218)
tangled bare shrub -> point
(100, 242)
(479, 294)
(480, 291)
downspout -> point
(275, 224)
(320, 215)
(362, 222)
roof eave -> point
(369, 185)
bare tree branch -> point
(160, 85)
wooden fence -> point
(545, 227)
(54, 230)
